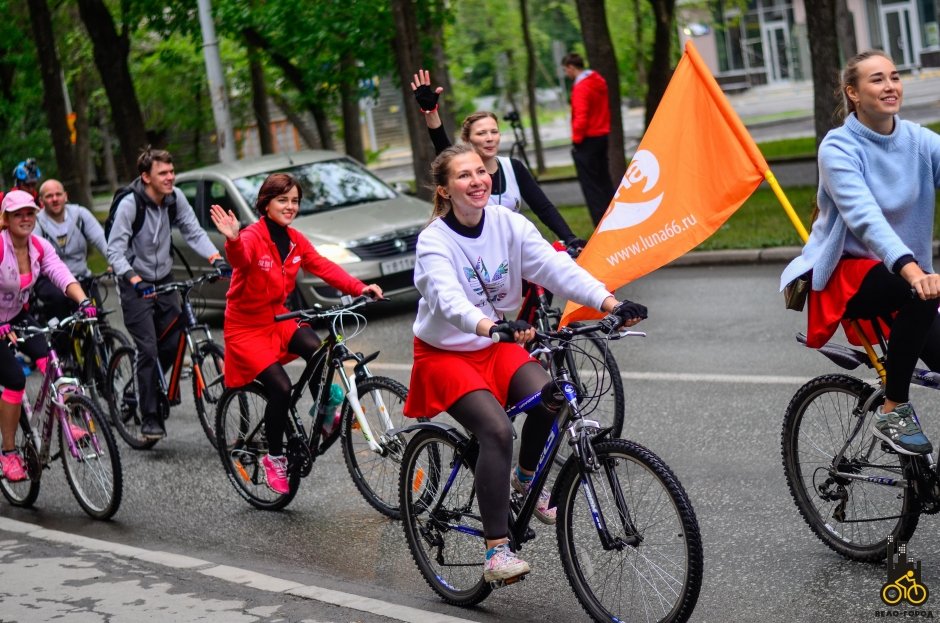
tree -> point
(408, 58)
(601, 56)
(111, 57)
(661, 67)
(824, 51)
(530, 85)
(259, 102)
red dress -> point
(260, 285)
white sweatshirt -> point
(508, 250)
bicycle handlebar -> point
(187, 284)
(24, 332)
(347, 303)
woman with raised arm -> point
(512, 182)
(266, 257)
(870, 249)
(471, 260)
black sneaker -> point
(152, 428)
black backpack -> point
(138, 215)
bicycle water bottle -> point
(333, 404)
(23, 365)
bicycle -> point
(206, 368)
(517, 150)
(851, 488)
(591, 365)
(372, 407)
(627, 534)
(91, 461)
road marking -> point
(682, 377)
(234, 575)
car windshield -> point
(327, 185)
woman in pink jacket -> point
(23, 257)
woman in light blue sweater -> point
(870, 249)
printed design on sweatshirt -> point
(493, 283)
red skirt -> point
(249, 349)
(440, 377)
(827, 307)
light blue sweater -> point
(876, 199)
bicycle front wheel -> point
(852, 517)
(123, 398)
(376, 473)
(594, 371)
(208, 385)
(443, 528)
(93, 465)
(653, 571)
(97, 360)
(241, 441)
(24, 492)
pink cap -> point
(17, 200)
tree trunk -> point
(440, 73)
(600, 53)
(83, 156)
(824, 51)
(323, 125)
(640, 61)
(349, 97)
(846, 30)
(407, 49)
(259, 102)
(530, 87)
(110, 170)
(110, 52)
(53, 100)
(308, 136)
(660, 71)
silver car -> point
(351, 217)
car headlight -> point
(338, 254)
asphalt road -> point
(706, 390)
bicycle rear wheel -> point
(594, 370)
(852, 517)
(208, 385)
(654, 570)
(97, 361)
(123, 398)
(443, 529)
(24, 492)
(241, 441)
(94, 470)
(376, 474)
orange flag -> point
(694, 167)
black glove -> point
(224, 268)
(628, 310)
(426, 97)
(144, 288)
(574, 246)
(505, 330)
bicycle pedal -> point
(497, 584)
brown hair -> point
(849, 78)
(275, 185)
(471, 119)
(440, 176)
(149, 155)
(574, 59)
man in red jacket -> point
(590, 126)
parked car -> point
(350, 216)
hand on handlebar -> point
(6, 332)
(88, 309)
(373, 291)
(574, 246)
(145, 289)
(625, 314)
(224, 268)
(518, 331)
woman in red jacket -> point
(265, 259)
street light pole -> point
(220, 111)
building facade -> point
(767, 43)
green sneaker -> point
(901, 430)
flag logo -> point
(642, 175)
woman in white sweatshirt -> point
(471, 260)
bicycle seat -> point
(842, 356)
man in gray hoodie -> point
(143, 260)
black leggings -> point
(915, 330)
(481, 414)
(11, 373)
(277, 386)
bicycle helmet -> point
(27, 172)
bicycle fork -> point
(352, 396)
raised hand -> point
(424, 94)
(224, 221)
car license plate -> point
(397, 266)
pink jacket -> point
(13, 298)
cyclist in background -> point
(139, 252)
(26, 177)
(23, 258)
(71, 229)
(512, 183)
(871, 244)
(266, 257)
(471, 260)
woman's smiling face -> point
(283, 209)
